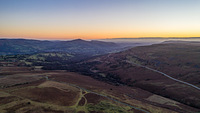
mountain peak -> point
(78, 40)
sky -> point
(98, 19)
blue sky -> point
(99, 18)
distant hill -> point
(78, 46)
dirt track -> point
(105, 97)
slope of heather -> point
(29, 90)
(124, 81)
(133, 67)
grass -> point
(103, 105)
(4, 94)
(162, 100)
(34, 104)
(42, 56)
(36, 57)
(134, 60)
(106, 107)
(150, 108)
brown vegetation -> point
(48, 95)
(81, 102)
(93, 98)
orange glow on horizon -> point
(99, 19)
(56, 35)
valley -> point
(143, 79)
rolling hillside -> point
(153, 78)
(147, 67)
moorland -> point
(99, 77)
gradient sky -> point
(92, 19)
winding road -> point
(180, 81)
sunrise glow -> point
(95, 19)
